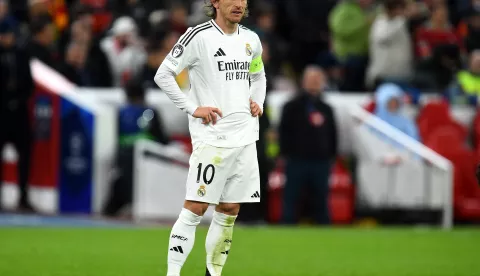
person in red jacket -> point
(435, 32)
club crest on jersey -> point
(201, 191)
(248, 49)
(177, 51)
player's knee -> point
(198, 208)
(231, 209)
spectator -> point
(391, 56)
(136, 121)
(467, 84)
(157, 52)
(333, 70)
(435, 32)
(59, 12)
(308, 142)
(38, 8)
(5, 14)
(472, 40)
(389, 100)
(197, 15)
(102, 15)
(350, 25)
(41, 45)
(74, 66)
(16, 88)
(178, 18)
(265, 23)
(81, 15)
(125, 54)
(305, 24)
(96, 64)
(140, 11)
(437, 72)
(19, 10)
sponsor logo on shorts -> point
(178, 249)
(182, 238)
(201, 191)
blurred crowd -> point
(422, 45)
(398, 48)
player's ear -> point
(215, 3)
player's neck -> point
(226, 26)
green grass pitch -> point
(255, 251)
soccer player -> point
(226, 97)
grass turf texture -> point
(255, 251)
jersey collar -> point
(214, 24)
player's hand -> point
(255, 109)
(208, 114)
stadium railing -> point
(397, 172)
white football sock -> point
(181, 242)
(218, 242)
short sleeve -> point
(257, 62)
(183, 54)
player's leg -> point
(205, 183)
(242, 186)
(182, 236)
(219, 237)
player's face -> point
(232, 10)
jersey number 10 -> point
(205, 173)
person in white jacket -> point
(391, 52)
(124, 51)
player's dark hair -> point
(211, 12)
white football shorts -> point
(223, 175)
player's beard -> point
(234, 19)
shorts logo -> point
(201, 191)
(248, 49)
(177, 51)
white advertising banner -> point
(160, 175)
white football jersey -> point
(219, 67)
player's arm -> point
(258, 87)
(181, 57)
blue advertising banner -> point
(76, 159)
(43, 111)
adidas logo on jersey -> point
(177, 249)
(220, 53)
(256, 195)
